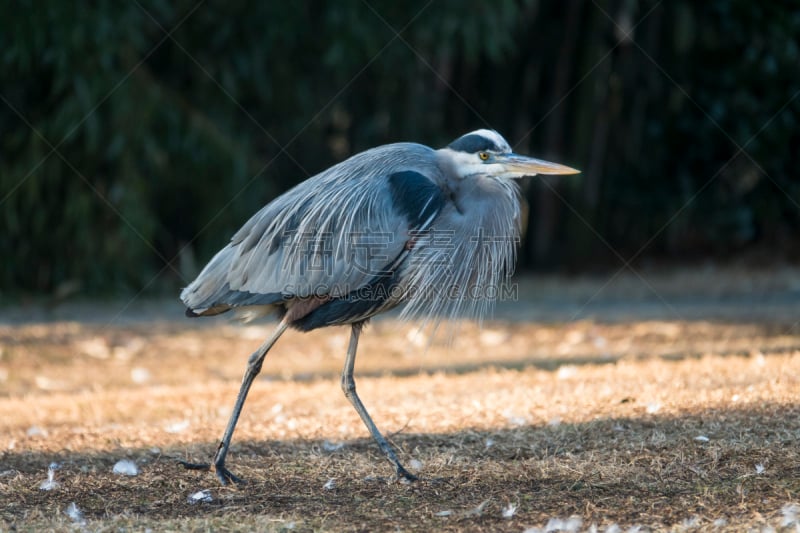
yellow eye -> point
(483, 155)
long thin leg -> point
(253, 368)
(349, 388)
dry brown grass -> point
(593, 419)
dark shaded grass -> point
(648, 471)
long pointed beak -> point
(528, 166)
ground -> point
(668, 401)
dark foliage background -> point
(136, 137)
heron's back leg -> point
(349, 388)
(253, 368)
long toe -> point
(225, 476)
(194, 466)
(405, 474)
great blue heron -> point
(433, 230)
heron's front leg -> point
(349, 388)
(253, 368)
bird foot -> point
(402, 473)
(224, 475)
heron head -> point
(487, 153)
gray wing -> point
(329, 236)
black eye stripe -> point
(472, 143)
